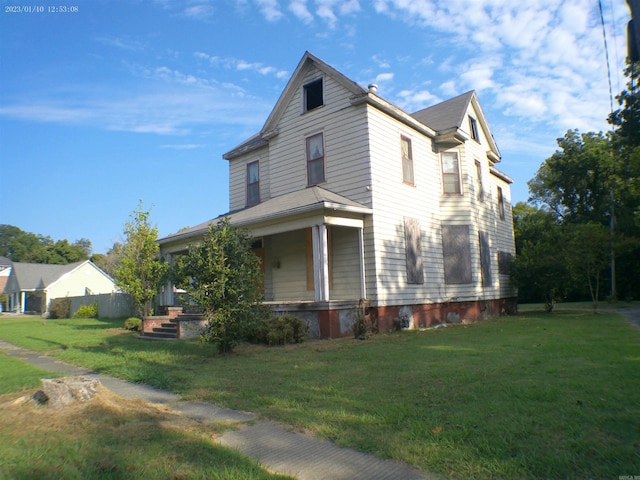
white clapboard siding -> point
(345, 146)
(288, 263)
(345, 264)
(238, 177)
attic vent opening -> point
(313, 97)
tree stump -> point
(63, 391)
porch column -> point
(23, 301)
(320, 263)
(168, 293)
(363, 283)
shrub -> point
(282, 330)
(60, 308)
(87, 311)
(133, 324)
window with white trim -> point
(450, 173)
(473, 127)
(313, 95)
(315, 159)
(500, 203)
(407, 160)
(253, 183)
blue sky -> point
(115, 101)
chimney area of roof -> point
(373, 88)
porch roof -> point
(307, 201)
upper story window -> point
(473, 128)
(500, 203)
(253, 183)
(451, 173)
(479, 181)
(407, 160)
(313, 95)
(315, 159)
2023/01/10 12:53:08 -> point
(41, 9)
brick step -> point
(166, 330)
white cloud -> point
(299, 9)
(199, 12)
(540, 60)
(384, 77)
(270, 9)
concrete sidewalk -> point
(277, 449)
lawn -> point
(533, 396)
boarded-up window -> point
(413, 249)
(485, 259)
(504, 263)
(457, 254)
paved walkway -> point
(299, 455)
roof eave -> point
(502, 176)
(393, 111)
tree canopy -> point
(222, 275)
(140, 271)
(584, 213)
(20, 246)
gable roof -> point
(299, 202)
(445, 115)
(269, 128)
(37, 276)
(449, 117)
(445, 122)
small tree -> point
(140, 270)
(222, 275)
(588, 254)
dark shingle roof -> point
(36, 276)
(445, 115)
(308, 199)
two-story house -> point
(350, 197)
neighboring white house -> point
(350, 197)
(32, 286)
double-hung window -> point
(315, 159)
(451, 173)
(407, 160)
(253, 183)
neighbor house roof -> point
(37, 276)
(294, 203)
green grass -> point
(16, 376)
(533, 396)
(109, 437)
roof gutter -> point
(393, 111)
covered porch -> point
(312, 251)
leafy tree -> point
(574, 183)
(21, 246)
(140, 270)
(222, 275)
(539, 269)
(588, 247)
(108, 262)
